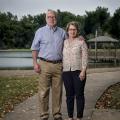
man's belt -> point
(51, 61)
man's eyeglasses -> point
(51, 17)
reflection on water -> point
(102, 65)
(15, 54)
(15, 59)
(15, 62)
(23, 60)
(26, 63)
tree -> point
(7, 22)
(96, 19)
(64, 18)
(114, 28)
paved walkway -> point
(97, 81)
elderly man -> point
(47, 46)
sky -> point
(35, 7)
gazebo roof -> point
(103, 39)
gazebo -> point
(105, 49)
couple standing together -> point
(63, 57)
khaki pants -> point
(50, 77)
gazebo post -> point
(115, 61)
(96, 46)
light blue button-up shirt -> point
(49, 42)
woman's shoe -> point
(78, 118)
(69, 119)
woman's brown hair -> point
(74, 23)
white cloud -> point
(33, 7)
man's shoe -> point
(79, 119)
(44, 119)
(59, 118)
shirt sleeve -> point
(36, 41)
(84, 55)
(66, 36)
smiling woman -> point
(75, 59)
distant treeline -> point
(16, 33)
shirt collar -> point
(54, 28)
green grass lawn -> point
(14, 90)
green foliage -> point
(65, 17)
(114, 28)
(96, 20)
(16, 33)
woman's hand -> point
(82, 75)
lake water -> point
(23, 60)
(15, 59)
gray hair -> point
(54, 12)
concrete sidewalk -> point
(97, 81)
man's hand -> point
(37, 68)
(81, 38)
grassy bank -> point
(14, 90)
(15, 50)
(110, 99)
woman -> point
(75, 59)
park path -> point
(97, 81)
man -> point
(48, 45)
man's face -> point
(51, 19)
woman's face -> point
(72, 31)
